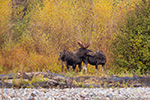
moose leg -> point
(79, 67)
(103, 69)
(74, 67)
(62, 66)
(84, 67)
(85, 63)
(96, 67)
(67, 66)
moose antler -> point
(82, 45)
(88, 45)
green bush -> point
(131, 47)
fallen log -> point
(55, 80)
(31, 74)
(9, 76)
(125, 79)
(25, 75)
(6, 85)
(60, 78)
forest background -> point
(33, 32)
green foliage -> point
(36, 79)
(131, 47)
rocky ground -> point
(59, 87)
(140, 93)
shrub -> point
(131, 48)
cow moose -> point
(95, 58)
(71, 59)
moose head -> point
(82, 45)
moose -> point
(71, 59)
(95, 58)
(82, 55)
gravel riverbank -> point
(141, 93)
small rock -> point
(82, 96)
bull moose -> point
(73, 58)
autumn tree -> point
(131, 48)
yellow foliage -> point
(103, 11)
(5, 15)
(53, 25)
(12, 58)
